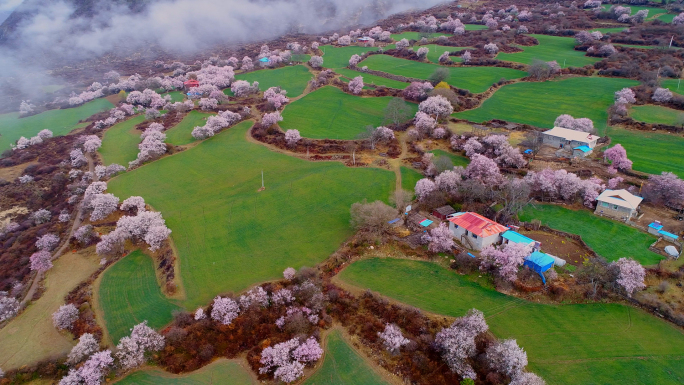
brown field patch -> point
(567, 248)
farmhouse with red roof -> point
(475, 231)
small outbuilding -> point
(619, 204)
(581, 151)
(443, 212)
(539, 262)
(656, 228)
(560, 137)
(191, 83)
(511, 236)
(475, 231)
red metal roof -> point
(478, 225)
(191, 83)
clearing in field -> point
(338, 57)
(540, 103)
(342, 365)
(456, 159)
(31, 337)
(228, 235)
(566, 344)
(293, 79)
(651, 152)
(657, 114)
(371, 79)
(560, 49)
(409, 178)
(330, 113)
(181, 133)
(474, 79)
(60, 122)
(609, 239)
(120, 142)
(221, 371)
(129, 294)
(435, 51)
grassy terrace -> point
(228, 235)
(610, 239)
(566, 344)
(120, 142)
(333, 114)
(338, 57)
(409, 178)
(435, 51)
(371, 79)
(474, 79)
(540, 103)
(293, 79)
(652, 12)
(673, 85)
(129, 294)
(60, 122)
(221, 371)
(651, 152)
(181, 133)
(417, 35)
(656, 114)
(342, 365)
(560, 49)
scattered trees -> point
(292, 137)
(41, 261)
(224, 310)
(392, 338)
(65, 317)
(9, 306)
(505, 259)
(630, 275)
(356, 85)
(579, 124)
(437, 106)
(316, 61)
(131, 349)
(441, 239)
(618, 158)
(87, 345)
(371, 217)
(457, 342)
(397, 112)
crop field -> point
(176, 96)
(435, 51)
(330, 113)
(609, 30)
(475, 27)
(129, 294)
(474, 79)
(560, 49)
(651, 151)
(417, 35)
(604, 343)
(652, 12)
(673, 85)
(409, 178)
(458, 160)
(293, 79)
(540, 103)
(228, 235)
(120, 142)
(181, 133)
(371, 79)
(657, 114)
(221, 371)
(610, 239)
(338, 57)
(60, 122)
(342, 365)
(31, 336)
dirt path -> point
(77, 222)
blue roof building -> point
(581, 151)
(539, 262)
(264, 60)
(656, 228)
(516, 237)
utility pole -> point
(262, 179)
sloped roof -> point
(516, 237)
(569, 134)
(541, 259)
(445, 210)
(478, 225)
(583, 148)
(621, 198)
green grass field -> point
(409, 178)
(474, 79)
(221, 371)
(333, 114)
(371, 79)
(560, 49)
(566, 344)
(181, 133)
(475, 27)
(342, 365)
(656, 114)
(651, 152)
(540, 103)
(120, 142)
(458, 160)
(228, 235)
(60, 122)
(293, 79)
(652, 12)
(417, 35)
(435, 51)
(129, 294)
(609, 30)
(673, 85)
(176, 96)
(610, 239)
(338, 57)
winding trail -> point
(77, 222)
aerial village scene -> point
(341, 192)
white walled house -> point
(619, 204)
(559, 137)
(475, 231)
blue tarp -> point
(393, 221)
(425, 222)
(264, 60)
(516, 237)
(471, 256)
(528, 151)
(583, 148)
(539, 262)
